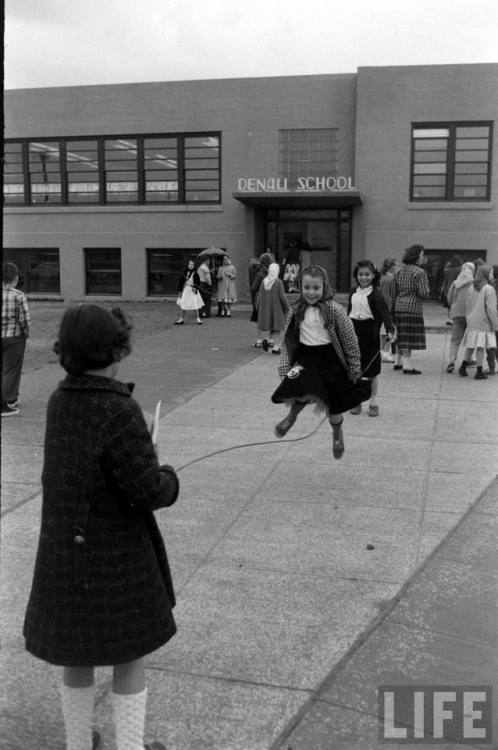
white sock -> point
(77, 709)
(129, 720)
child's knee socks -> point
(77, 710)
(129, 719)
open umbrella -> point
(212, 251)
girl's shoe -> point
(229, 314)
(398, 367)
(95, 740)
(480, 375)
(462, 370)
(412, 371)
(258, 344)
(178, 322)
(373, 410)
(450, 367)
(199, 322)
(155, 746)
(264, 344)
(275, 351)
(355, 409)
(283, 427)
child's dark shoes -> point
(355, 409)
(283, 427)
(373, 410)
(337, 440)
(95, 740)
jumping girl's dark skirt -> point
(322, 380)
(369, 347)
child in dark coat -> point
(368, 311)
(102, 592)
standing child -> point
(368, 311)
(15, 332)
(482, 320)
(456, 297)
(320, 359)
(189, 297)
(102, 592)
(226, 291)
(272, 310)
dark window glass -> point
(45, 172)
(103, 270)
(451, 162)
(308, 152)
(39, 270)
(13, 185)
(82, 169)
(165, 267)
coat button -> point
(79, 539)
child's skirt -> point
(318, 376)
(369, 347)
(478, 339)
(190, 299)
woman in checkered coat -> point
(410, 287)
(102, 592)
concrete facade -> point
(373, 111)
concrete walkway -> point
(303, 582)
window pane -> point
(103, 271)
(431, 132)
(429, 192)
(82, 171)
(468, 192)
(45, 172)
(427, 145)
(161, 169)
(425, 156)
(430, 168)
(165, 267)
(471, 179)
(13, 186)
(426, 179)
(472, 156)
(473, 132)
(121, 177)
(43, 271)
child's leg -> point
(336, 421)
(462, 370)
(374, 383)
(277, 341)
(129, 697)
(283, 427)
(229, 309)
(77, 694)
(491, 358)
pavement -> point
(303, 583)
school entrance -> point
(323, 234)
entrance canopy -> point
(297, 199)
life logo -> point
(430, 714)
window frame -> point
(451, 161)
(27, 254)
(64, 143)
(104, 293)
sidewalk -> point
(286, 621)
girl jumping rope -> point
(102, 592)
(320, 358)
(368, 311)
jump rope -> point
(268, 442)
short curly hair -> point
(92, 338)
(412, 254)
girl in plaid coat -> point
(102, 592)
(320, 358)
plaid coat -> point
(342, 336)
(102, 590)
(410, 287)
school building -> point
(108, 190)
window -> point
(45, 172)
(102, 271)
(451, 162)
(110, 170)
(165, 267)
(82, 169)
(38, 269)
(306, 152)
